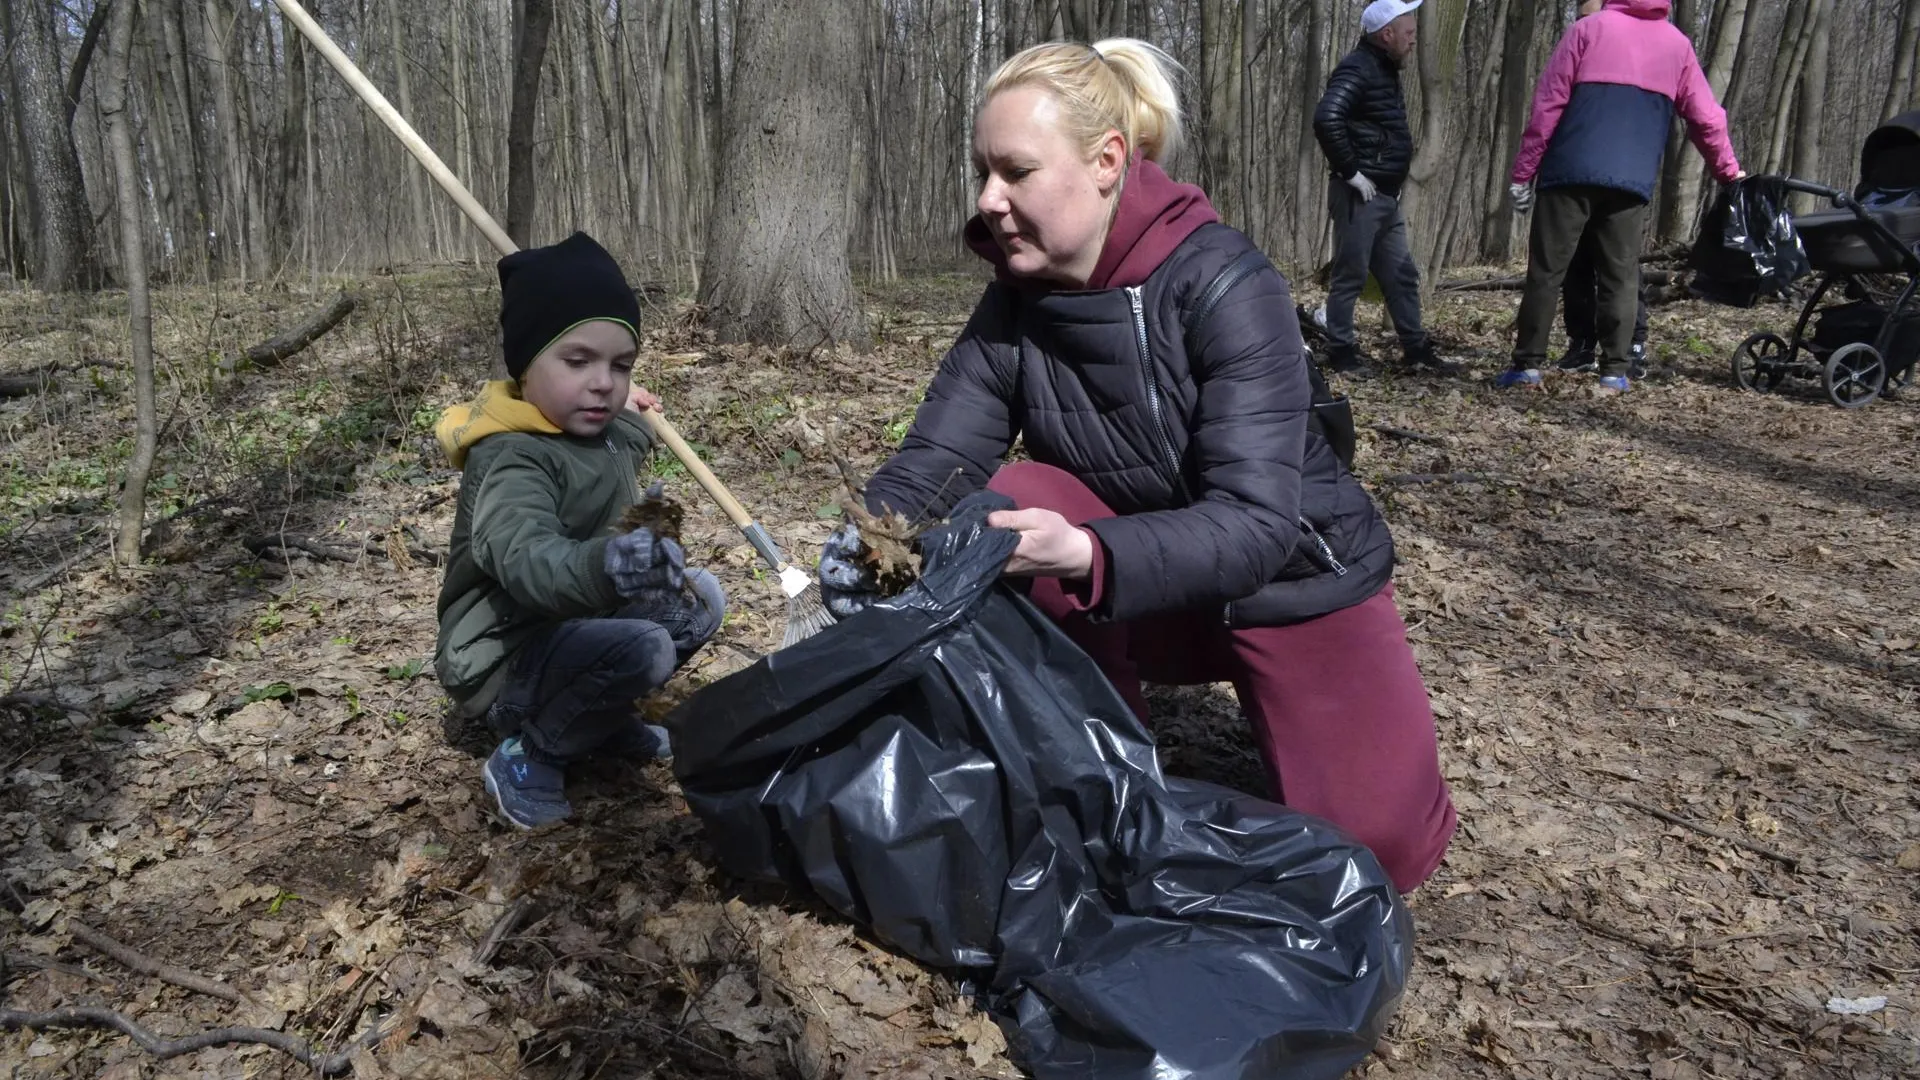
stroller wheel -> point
(1855, 375)
(1761, 362)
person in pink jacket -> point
(1592, 152)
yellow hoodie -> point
(497, 410)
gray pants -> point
(572, 686)
(1611, 221)
(1372, 236)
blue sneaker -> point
(1513, 377)
(1615, 384)
(529, 793)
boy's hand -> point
(640, 399)
(639, 562)
(847, 584)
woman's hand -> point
(1050, 545)
(640, 399)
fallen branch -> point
(1791, 862)
(36, 381)
(276, 349)
(147, 965)
(260, 545)
(1414, 479)
(162, 1049)
(1505, 284)
(509, 919)
(28, 700)
(1410, 436)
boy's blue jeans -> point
(572, 687)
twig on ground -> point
(211, 807)
(483, 953)
(92, 1016)
(1414, 479)
(1791, 862)
(41, 963)
(147, 965)
(1410, 436)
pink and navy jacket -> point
(1606, 102)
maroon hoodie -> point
(1155, 214)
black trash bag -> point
(949, 771)
(1747, 248)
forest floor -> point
(234, 759)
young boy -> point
(552, 622)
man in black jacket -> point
(1361, 123)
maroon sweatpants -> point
(1336, 703)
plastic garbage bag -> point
(949, 771)
(1747, 248)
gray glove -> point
(1522, 196)
(640, 562)
(846, 584)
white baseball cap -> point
(1381, 12)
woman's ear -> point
(1110, 161)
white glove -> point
(1359, 182)
(1522, 195)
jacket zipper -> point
(1135, 302)
(1326, 550)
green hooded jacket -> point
(530, 532)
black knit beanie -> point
(547, 291)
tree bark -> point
(530, 52)
(776, 268)
(1811, 118)
(1788, 63)
(77, 75)
(112, 93)
(1901, 84)
(64, 257)
(1686, 171)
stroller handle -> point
(1908, 254)
(1807, 187)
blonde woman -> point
(1180, 518)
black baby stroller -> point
(1864, 313)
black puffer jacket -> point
(1362, 120)
(1226, 499)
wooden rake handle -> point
(382, 108)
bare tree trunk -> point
(1686, 171)
(1811, 117)
(112, 94)
(529, 54)
(403, 82)
(1901, 84)
(1787, 62)
(64, 257)
(77, 76)
(776, 268)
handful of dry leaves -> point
(655, 513)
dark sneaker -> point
(1342, 358)
(1581, 356)
(1423, 359)
(642, 742)
(529, 794)
(1637, 360)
